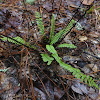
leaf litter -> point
(18, 22)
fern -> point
(51, 49)
(66, 45)
(46, 58)
(19, 39)
(60, 34)
(57, 37)
(16, 40)
(39, 22)
(69, 26)
(54, 38)
(52, 27)
(76, 72)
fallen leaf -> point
(87, 2)
(82, 38)
(77, 90)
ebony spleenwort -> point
(16, 40)
(39, 22)
(54, 55)
(54, 38)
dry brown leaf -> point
(87, 2)
(82, 38)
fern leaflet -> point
(75, 72)
(60, 34)
(16, 40)
(67, 45)
(51, 49)
(46, 58)
(39, 22)
(52, 27)
(57, 37)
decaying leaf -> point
(87, 2)
(82, 38)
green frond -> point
(76, 72)
(83, 77)
(86, 79)
(39, 22)
(66, 45)
(69, 26)
(62, 32)
(57, 37)
(51, 49)
(52, 27)
(16, 40)
(58, 59)
(90, 79)
(46, 58)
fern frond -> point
(58, 59)
(52, 27)
(16, 40)
(51, 49)
(60, 34)
(66, 45)
(19, 39)
(39, 22)
(57, 37)
(69, 26)
(76, 72)
(46, 58)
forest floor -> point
(24, 75)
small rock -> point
(98, 98)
